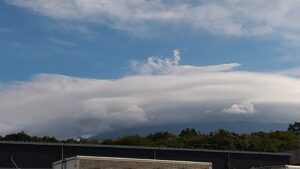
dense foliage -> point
(22, 136)
(274, 141)
(295, 127)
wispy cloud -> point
(11, 43)
(4, 30)
(61, 42)
(69, 106)
(156, 65)
(229, 17)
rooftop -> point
(143, 147)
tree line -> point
(22, 136)
(273, 141)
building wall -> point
(43, 155)
(295, 159)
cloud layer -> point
(66, 106)
(242, 108)
(228, 17)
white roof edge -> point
(66, 159)
(132, 159)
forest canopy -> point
(273, 141)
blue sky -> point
(103, 62)
(32, 43)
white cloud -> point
(293, 72)
(242, 108)
(155, 65)
(229, 17)
(66, 106)
(61, 42)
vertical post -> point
(299, 140)
(62, 156)
(228, 157)
(154, 154)
(62, 152)
(295, 157)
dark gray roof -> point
(143, 147)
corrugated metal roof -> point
(143, 147)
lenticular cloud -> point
(161, 92)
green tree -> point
(108, 142)
(295, 127)
(160, 136)
(134, 140)
(21, 136)
(274, 141)
(188, 132)
(88, 141)
(70, 141)
(164, 139)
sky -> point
(82, 67)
